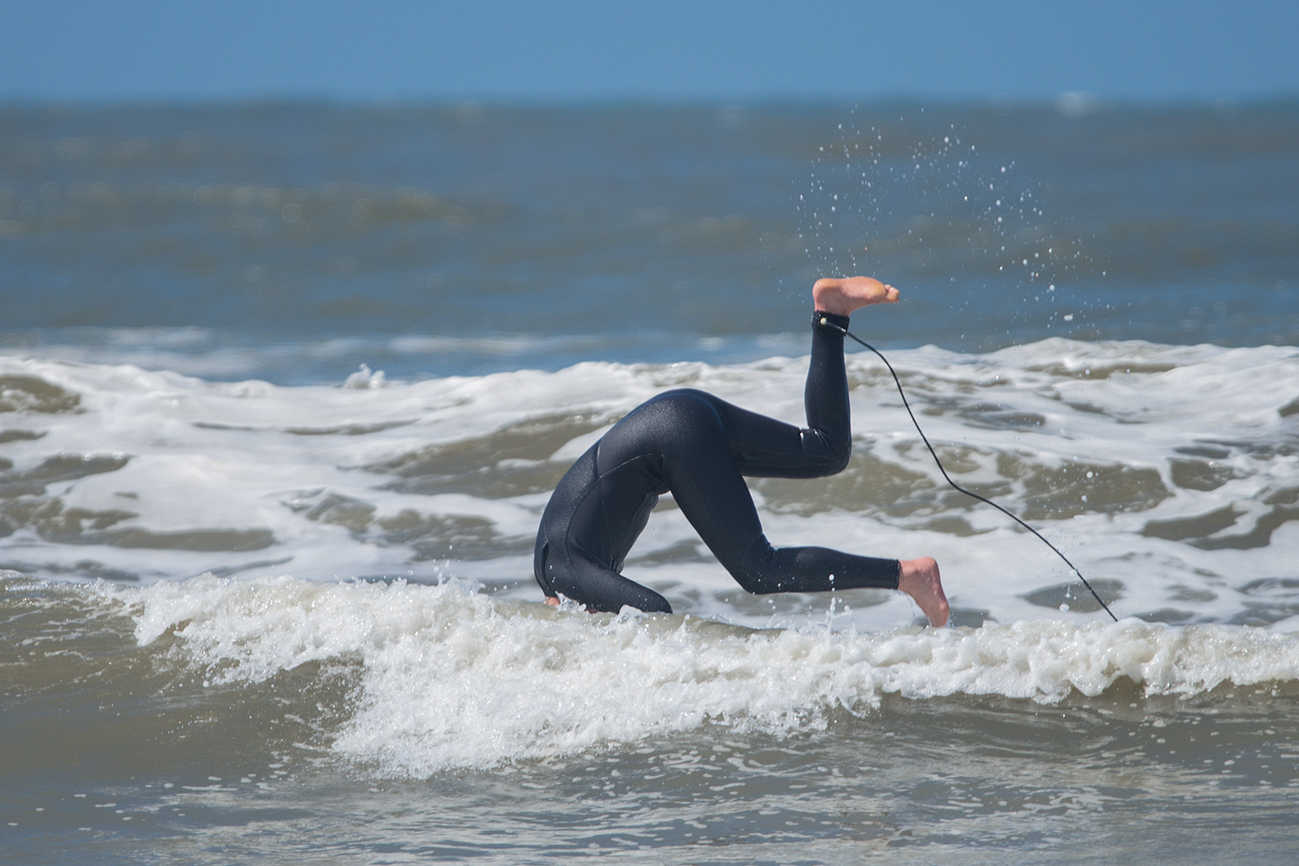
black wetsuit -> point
(698, 447)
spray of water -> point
(914, 199)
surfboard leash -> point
(984, 499)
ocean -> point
(284, 388)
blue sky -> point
(575, 50)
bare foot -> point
(842, 295)
(919, 579)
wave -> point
(450, 677)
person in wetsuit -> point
(699, 448)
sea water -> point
(284, 389)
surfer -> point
(699, 448)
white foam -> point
(205, 456)
(451, 677)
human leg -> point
(763, 447)
(711, 493)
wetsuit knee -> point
(825, 454)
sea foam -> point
(1168, 474)
(451, 677)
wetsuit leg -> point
(763, 447)
(694, 433)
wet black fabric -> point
(699, 447)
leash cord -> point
(958, 487)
